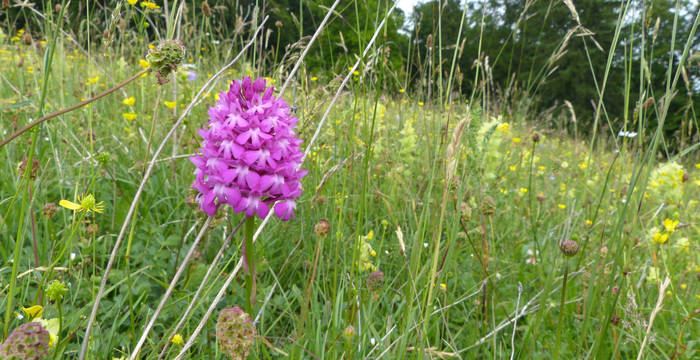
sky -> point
(407, 5)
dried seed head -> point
(206, 10)
(235, 332)
(488, 205)
(28, 341)
(322, 228)
(57, 8)
(541, 197)
(122, 24)
(536, 137)
(375, 280)
(105, 34)
(34, 170)
(685, 177)
(614, 319)
(465, 211)
(429, 41)
(569, 247)
(92, 229)
(27, 38)
(278, 24)
(49, 210)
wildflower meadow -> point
(349, 179)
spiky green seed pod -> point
(27, 342)
(56, 290)
(165, 59)
(235, 332)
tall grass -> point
(462, 202)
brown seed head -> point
(569, 247)
(541, 197)
(278, 24)
(27, 38)
(375, 280)
(322, 228)
(49, 210)
(206, 10)
(536, 137)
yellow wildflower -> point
(402, 91)
(562, 206)
(670, 225)
(443, 287)
(659, 238)
(87, 204)
(177, 339)
(523, 190)
(33, 312)
(129, 116)
(94, 79)
(420, 103)
(129, 101)
(513, 167)
(149, 5)
(516, 140)
(51, 326)
(144, 64)
(170, 104)
(132, 2)
(314, 78)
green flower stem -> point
(561, 311)
(250, 260)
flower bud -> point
(541, 197)
(27, 38)
(465, 212)
(349, 332)
(57, 8)
(569, 247)
(536, 137)
(278, 24)
(235, 332)
(35, 168)
(488, 205)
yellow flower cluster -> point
(665, 183)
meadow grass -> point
(462, 203)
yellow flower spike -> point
(129, 116)
(51, 326)
(170, 104)
(177, 339)
(129, 101)
(33, 312)
(670, 225)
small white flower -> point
(425, 244)
(372, 341)
(629, 134)
(72, 256)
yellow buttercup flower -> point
(562, 206)
(129, 116)
(177, 339)
(33, 312)
(516, 140)
(670, 225)
(87, 204)
(132, 2)
(129, 101)
(170, 104)
(659, 238)
(144, 64)
(402, 91)
(149, 5)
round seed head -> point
(235, 332)
(322, 228)
(569, 247)
(375, 280)
(29, 341)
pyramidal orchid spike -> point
(250, 155)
